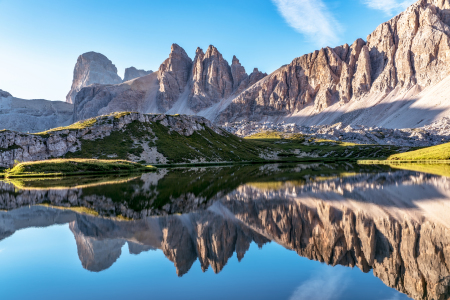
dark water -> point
(335, 231)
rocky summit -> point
(92, 67)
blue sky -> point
(41, 40)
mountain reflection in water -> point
(394, 222)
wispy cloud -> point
(311, 18)
(390, 7)
(325, 286)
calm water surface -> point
(243, 232)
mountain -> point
(132, 73)
(397, 78)
(92, 67)
(33, 115)
(202, 86)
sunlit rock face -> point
(92, 67)
(400, 58)
(181, 85)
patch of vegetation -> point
(203, 145)
(290, 145)
(119, 144)
(75, 126)
(55, 167)
(119, 115)
(13, 147)
(440, 152)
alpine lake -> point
(273, 231)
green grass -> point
(440, 152)
(75, 126)
(203, 145)
(288, 143)
(207, 146)
(119, 144)
(57, 167)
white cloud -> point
(327, 285)
(390, 7)
(312, 18)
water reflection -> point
(394, 222)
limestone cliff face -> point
(173, 77)
(98, 99)
(133, 73)
(409, 50)
(318, 79)
(211, 79)
(33, 115)
(179, 86)
(92, 67)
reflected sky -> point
(42, 263)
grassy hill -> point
(57, 167)
(439, 152)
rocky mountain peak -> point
(235, 61)
(238, 72)
(211, 51)
(212, 79)
(199, 52)
(173, 77)
(133, 73)
(4, 94)
(92, 67)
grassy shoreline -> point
(73, 167)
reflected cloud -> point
(311, 18)
(326, 285)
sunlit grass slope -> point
(440, 152)
(73, 166)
